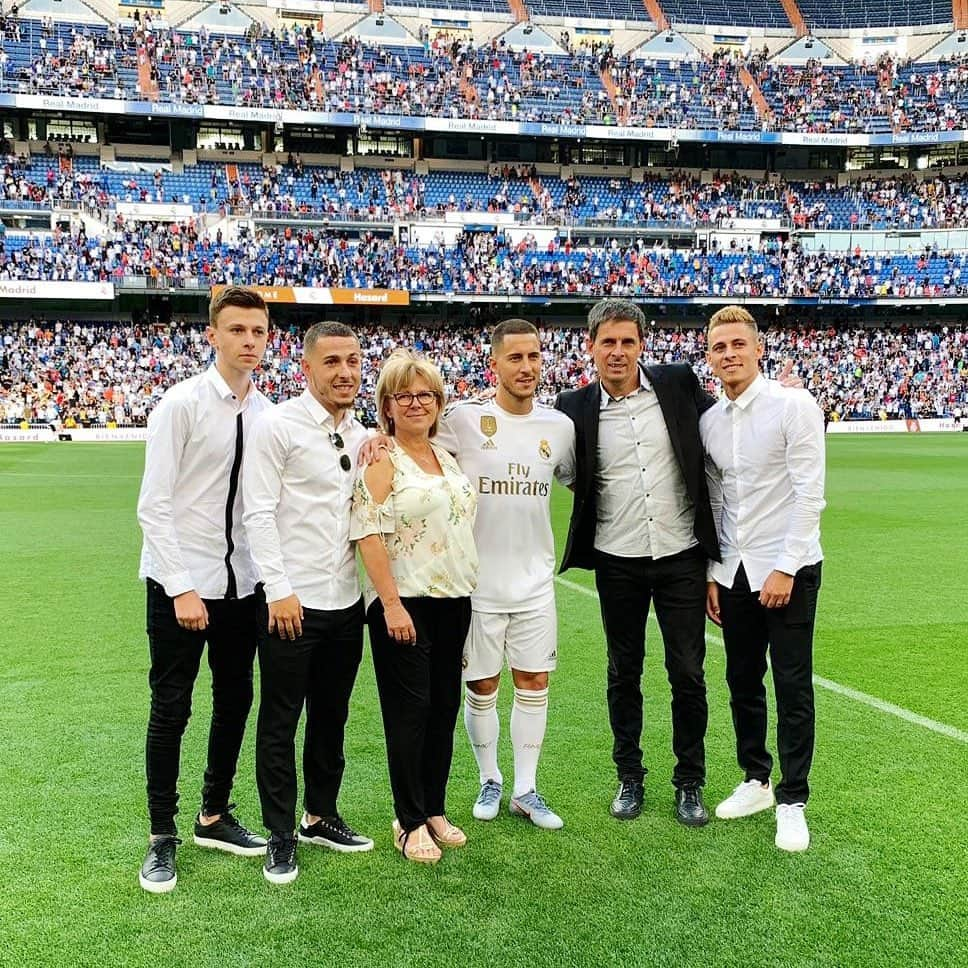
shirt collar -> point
(221, 387)
(747, 396)
(644, 384)
(320, 414)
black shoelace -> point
(283, 850)
(163, 850)
(229, 820)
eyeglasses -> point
(424, 397)
(344, 459)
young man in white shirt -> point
(765, 447)
(512, 449)
(201, 583)
(298, 480)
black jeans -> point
(677, 586)
(176, 654)
(319, 670)
(420, 692)
(749, 630)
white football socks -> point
(529, 716)
(483, 728)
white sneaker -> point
(791, 827)
(488, 801)
(748, 798)
(533, 806)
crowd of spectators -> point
(866, 96)
(299, 67)
(70, 373)
(702, 91)
(290, 189)
(482, 262)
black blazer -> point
(682, 401)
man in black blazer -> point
(642, 521)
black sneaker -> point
(333, 833)
(627, 804)
(157, 874)
(280, 866)
(229, 835)
(690, 810)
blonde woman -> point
(413, 519)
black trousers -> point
(420, 692)
(317, 670)
(677, 586)
(749, 630)
(176, 654)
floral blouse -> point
(427, 524)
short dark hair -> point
(323, 329)
(609, 310)
(241, 296)
(511, 327)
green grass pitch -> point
(884, 883)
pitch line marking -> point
(943, 729)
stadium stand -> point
(92, 374)
(757, 13)
(842, 14)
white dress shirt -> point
(297, 503)
(644, 509)
(765, 467)
(182, 508)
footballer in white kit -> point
(511, 449)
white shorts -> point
(527, 640)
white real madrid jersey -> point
(511, 460)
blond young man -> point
(765, 447)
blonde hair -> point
(731, 314)
(398, 372)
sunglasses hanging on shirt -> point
(344, 459)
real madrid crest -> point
(489, 429)
(544, 450)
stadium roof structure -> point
(224, 17)
(62, 10)
(381, 28)
(809, 48)
(527, 35)
(956, 43)
(667, 45)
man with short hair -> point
(642, 521)
(201, 582)
(512, 450)
(298, 479)
(766, 459)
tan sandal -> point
(416, 845)
(450, 836)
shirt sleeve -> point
(714, 484)
(446, 435)
(169, 429)
(565, 469)
(367, 517)
(262, 470)
(806, 462)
